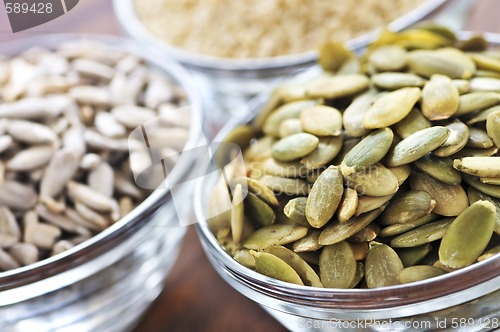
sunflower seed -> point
(7, 262)
(107, 125)
(61, 246)
(30, 159)
(90, 197)
(30, 132)
(62, 167)
(17, 196)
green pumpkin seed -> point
(439, 168)
(311, 257)
(479, 84)
(417, 145)
(359, 249)
(290, 169)
(348, 145)
(485, 62)
(336, 86)
(241, 136)
(284, 185)
(245, 258)
(482, 115)
(382, 266)
(394, 80)
(328, 148)
(463, 86)
(468, 235)
(259, 211)
(294, 147)
(274, 267)
(487, 74)
(295, 209)
(321, 121)
(354, 114)
(274, 235)
(368, 152)
(376, 180)
(479, 139)
(493, 127)
(407, 207)
(367, 234)
(458, 138)
(349, 67)
(257, 188)
(476, 101)
(421, 39)
(443, 267)
(360, 274)
(305, 272)
(324, 197)
(475, 195)
(397, 229)
(273, 102)
(337, 266)
(370, 203)
(421, 235)
(495, 181)
(289, 127)
(489, 253)
(440, 98)
(237, 214)
(401, 172)
(348, 205)
(308, 242)
(479, 166)
(332, 55)
(438, 29)
(336, 232)
(388, 58)
(488, 189)
(292, 110)
(259, 150)
(391, 108)
(451, 200)
(411, 256)
(419, 272)
(412, 123)
(427, 63)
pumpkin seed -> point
(382, 266)
(475, 195)
(417, 145)
(395, 80)
(485, 62)
(468, 152)
(477, 222)
(412, 123)
(328, 148)
(367, 234)
(274, 267)
(337, 266)
(370, 203)
(368, 152)
(336, 232)
(489, 253)
(308, 242)
(336, 86)
(257, 210)
(289, 127)
(295, 209)
(439, 168)
(354, 114)
(245, 258)
(411, 256)
(427, 63)
(421, 235)
(401, 172)
(493, 127)
(476, 101)
(294, 147)
(288, 111)
(391, 108)
(495, 181)
(257, 188)
(348, 205)
(376, 180)
(463, 86)
(237, 214)
(388, 58)
(324, 197)
(479, 84)
(407, 207)
(274, 235)
(260, 149)
(482, 115)
(479, 139)
(305, 272)
(419, 272)
(488, 189)
(359, 249)
(458, 138)
(440, 98)
(396, 229)
(289, 169)
(479, 166)
(321, 121)
(451, 200)
(286, 186)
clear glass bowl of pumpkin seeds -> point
(66, 262)
(369, 196)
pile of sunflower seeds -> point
(65, 118)
(382, 170)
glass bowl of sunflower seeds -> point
(88, 229)
(367, 199)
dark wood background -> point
(195, 298)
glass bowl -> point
(231, 82)
(107, 282)
(464, 300)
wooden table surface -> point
(195, 297)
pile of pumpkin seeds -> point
(65, 119)
(382, 170)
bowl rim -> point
(132, 25)
(140, 216)
(482, 276)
